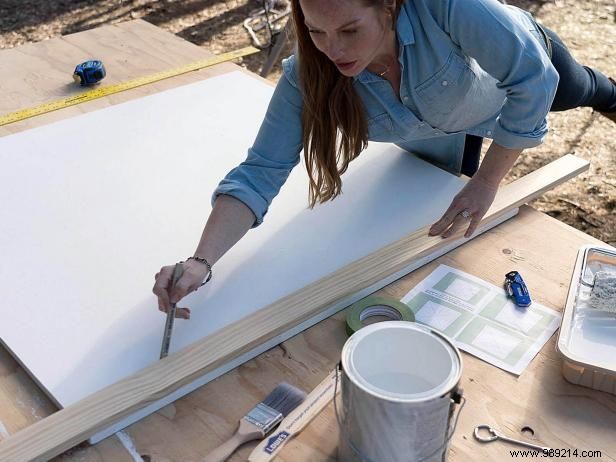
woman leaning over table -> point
(434, 77)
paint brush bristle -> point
(279, 403)
(284, 398)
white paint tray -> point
(587, 338)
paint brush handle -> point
(297, 420)
(245, 432)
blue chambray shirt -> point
(468, 67)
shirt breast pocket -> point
(380, 128)
(442, 92)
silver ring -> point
(466, 213)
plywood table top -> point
(562, 415)
(37, 73)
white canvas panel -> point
(94, 205)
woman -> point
(433, 76)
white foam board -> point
(94, 205)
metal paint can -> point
(399, 389)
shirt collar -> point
(404, 30)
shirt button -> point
(444, 83)
(405, 98)
(421, 124)
(489, 132)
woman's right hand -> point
(192, 278)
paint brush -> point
(260, 420)
(297, 420)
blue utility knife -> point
(516, 289)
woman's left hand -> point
(475, 197)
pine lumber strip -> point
(74, 424)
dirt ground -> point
(588, 27)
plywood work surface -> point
(37, 73)
(561, 414)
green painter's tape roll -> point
(376, 306)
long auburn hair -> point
(334, 125)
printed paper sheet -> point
(481, 319)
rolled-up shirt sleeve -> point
(275, 152)
(504, 47)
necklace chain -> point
(381, 74)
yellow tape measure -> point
(100, 92)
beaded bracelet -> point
(206, 263)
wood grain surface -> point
(36, 73)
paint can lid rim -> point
(440, 390)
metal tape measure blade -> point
(100, 92)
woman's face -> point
(349, 33)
